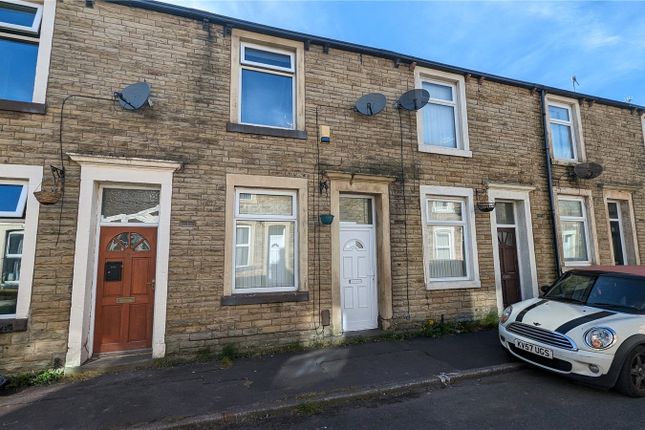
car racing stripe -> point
(520, 316)
(566, 327)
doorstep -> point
(115, 360)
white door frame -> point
(348, 226)
(519, 195)
(95, 172)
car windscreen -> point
(572, 287)
(620, 293)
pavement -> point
(204, 394)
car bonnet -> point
(558, 316)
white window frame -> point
(293, 218)
(466, 197)
(575, 124)
(643, 126)
(458, 84)
(246, 245)
(270, 69)
(34, 28)
(42, 35)
(587, 229)
(6, 251)
(621, 230)
(32, 176)
(450, 233)
(22, 200)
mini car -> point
(588, 325)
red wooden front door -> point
(509, 267)
(125, 288)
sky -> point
(602, 44)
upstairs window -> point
(565, 130)
(442, 123)
(13, 198)
(19, 40)
(267, 86)
(23, 34)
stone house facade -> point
(195, 222)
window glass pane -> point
(562, 142)
(267, 99)
(441, 92)
(572, 287)
(448, 259)
(570, 208)
(130, 206)
(266, 57)
(11, 244)
(504, 213)
(613, 210)
(439, 125)
(559, 113)
(10, 198)
(273, 263)
(242, 235)
(266, 204)
(440, 210)
(618, 293)
(617, 242)
(574, 241)
(356, 210)
(17, 69)
(17, 15)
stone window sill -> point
(26, 107)
(449, 285)
(261, 298)
(265, 131)
(454, 152)
(11, 325)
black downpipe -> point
(549, 181)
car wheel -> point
(632, 376)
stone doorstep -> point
(111, 361)
(342, 397)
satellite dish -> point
(135, 96)
(414, 99)
(587, 170)
(370, 104)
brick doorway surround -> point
(377, 187)
(97, 171)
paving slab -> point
(165, 395)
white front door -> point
(358, 278)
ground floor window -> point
(449, 236)
(574, 230)
(265, 240)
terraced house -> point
(204, 218)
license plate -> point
(534, 349)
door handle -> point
(152, 284)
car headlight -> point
(600, 337)
(506, 314)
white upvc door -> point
(358, 278)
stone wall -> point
(99, 50)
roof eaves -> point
(396, 57)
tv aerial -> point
(370, 104)
(414, 99)
(135, 96)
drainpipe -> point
(549, 180)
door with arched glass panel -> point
(125, 288)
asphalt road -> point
(527, 399)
